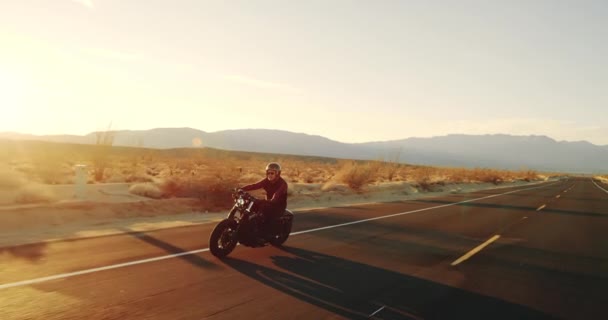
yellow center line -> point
(541, 207)
(474, 251)
(559, 195)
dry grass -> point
(210, 174)
(103, 146)
(250, 178)
(391, 170)
(52, 170)
(10, 179)
(434, 175)
(27, 192)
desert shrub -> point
(392, 164)
(487, 175)
(357, 175)
(458, 175)
(134, 178)
(402, 173)
(35, 193)
(291, 173)
(306, 177)
(138, 174)
(434, 175)
(529, 175)
(422, 177)
(250, 178)
(50, 169)
(146, 189)
(114, 176)
(391, 170)
(218, 190)
(186, 164)
(215, 190)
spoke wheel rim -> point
(225, 239)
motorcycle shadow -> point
(195, 260)
(356, 291)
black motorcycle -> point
(244, 226)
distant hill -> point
(502, 151)
(496, 151)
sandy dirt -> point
(110, 208)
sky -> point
(352, 71)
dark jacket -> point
(276, 192)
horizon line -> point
(309, 134)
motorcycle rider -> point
(276, 197)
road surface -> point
(533, 252)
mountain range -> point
(455, 150)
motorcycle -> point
(242, 225)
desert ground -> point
(125, 188)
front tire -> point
(223, 238)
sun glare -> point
(13, 92)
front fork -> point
(232, 212)
(231, 217)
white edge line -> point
(408, 212)
(132, 263)
(598, 185)
(81, 272)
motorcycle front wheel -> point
(223, 238)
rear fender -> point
(287, 216)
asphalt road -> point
(531, 252)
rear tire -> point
(282, 237)
(223, 238)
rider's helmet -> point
(274, 166)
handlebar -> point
(240, 193)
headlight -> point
(240, 202)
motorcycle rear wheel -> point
(279, 239)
